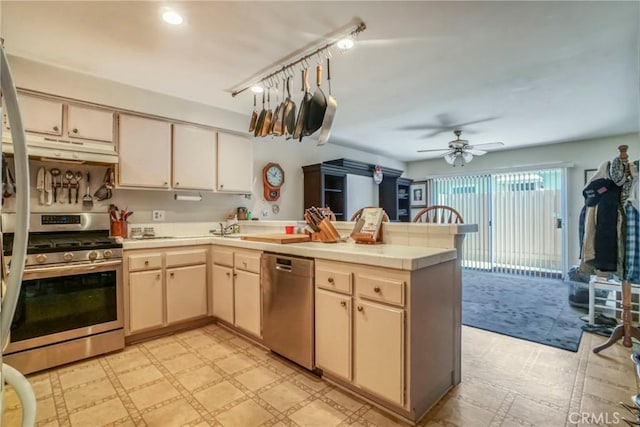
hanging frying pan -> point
(304, 107)
(254, 116)
(260, 121)
(276, 122)
(289, 114)
(317, 106)
(266, 125)
(330, 112)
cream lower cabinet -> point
(236, 292)
(164, 287)
(333, 333)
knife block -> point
(327, 233)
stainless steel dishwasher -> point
(288, 307)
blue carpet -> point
(533, 309)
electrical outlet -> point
(158, 215)
(265, 213)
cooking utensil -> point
(266, 125)
(304, 107)
(317, 106)
(8, 186)
(48, 188)
(276, 122)
(78, 179)
(40, 184)
(87, 200)
(289, 114)
(68, 175)
(258, 129)
(55, 173)
(254, 116)
(330, 112)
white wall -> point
(587, 154)
(290, 154)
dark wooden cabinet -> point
(394, 198)
(325, 185)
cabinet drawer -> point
(188, 257)
(381, 289)
(145, 262)
(223, 257)
(339, 281)
(247, 261)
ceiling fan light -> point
(467, 156)
(172, 17)
(450, 158)
(257, 89)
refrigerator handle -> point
(19, 251)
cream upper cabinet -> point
(186, 292)
(333, 333)
(235, 163)
(379, 350)
(145, 152)
(41, 115)
(89, 123)
(223, 293)
(194, 158)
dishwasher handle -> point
(286, 268)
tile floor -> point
(211, 377)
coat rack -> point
(288, 67)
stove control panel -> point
(60, 219)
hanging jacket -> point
(604, 194)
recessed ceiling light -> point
(346, 43)
(257, 89)
(172, 17)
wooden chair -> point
(439, 214)
(356, 215)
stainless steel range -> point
(70, 304)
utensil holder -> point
(119, 229)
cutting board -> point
(278, 238)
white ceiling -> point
(541, 72)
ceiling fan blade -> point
(488, 145)
(475, 152)
(433, 150)
(473, 122)
(434, 133)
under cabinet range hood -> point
(63, 150)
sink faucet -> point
(223, 230)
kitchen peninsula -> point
(387, 317)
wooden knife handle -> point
(318, 74)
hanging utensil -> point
(79, 177)
(330, 112)
(87, 200)
(258, 128)
(55, 173)
(40, 185)
(304, 106)
(289, 114)
(68, 175)
(266, 125)
(48, 188)
(254, 116)
(317, 106)
(276, 123)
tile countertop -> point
(385, 255)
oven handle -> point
(66, 270)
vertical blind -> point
(519, 217)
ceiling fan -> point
(445, 124)
(460, 152)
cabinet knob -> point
(157, 276)
(360, 308)
(330, 279)
(177, 183)
(376, 289)
(166, 183)
(171, 274)
(235, 274)
(244, 263)
(221, 185)
(228, 274)
(146, 263)
(56, 128)
(343, 303)
(75, 130)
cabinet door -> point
(247, 302)
(144, 152)
(333, 333)
(223, 293)
(41, 115)
(194, 158)
(186, 293)
(379, 350)
(146, 308)
(235, 163)
(90, 123)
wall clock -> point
(272, 180)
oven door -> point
(64, 302)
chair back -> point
(357, 214)
(439, 214)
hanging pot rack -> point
(287, 68)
